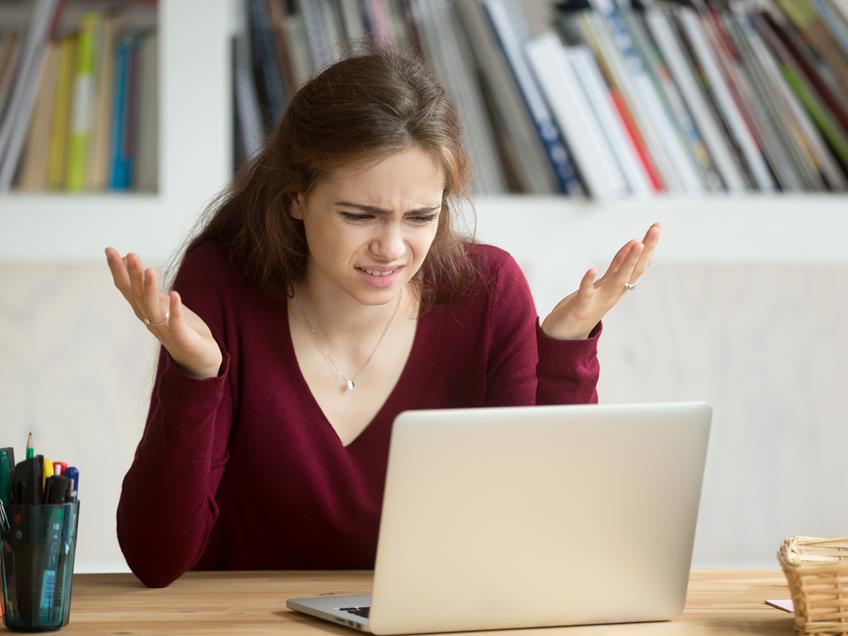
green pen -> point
(5, 479)
(30, 451)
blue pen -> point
(73, 474)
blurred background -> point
(586, 122)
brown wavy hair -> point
(367, 106)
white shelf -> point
(715, 230)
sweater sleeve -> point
(167, 506)
(525, 365)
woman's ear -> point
(296, 207)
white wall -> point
(763, 341)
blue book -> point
(511, 34)
(119, 156)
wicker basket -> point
(817, 572)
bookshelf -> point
(194, 147)
(195, 159)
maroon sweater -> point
(243, 471)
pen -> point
(47, 471)
(30, 451)
(5, 479)
(73, 486)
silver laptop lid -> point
(535, 516)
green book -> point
(819, 114)
(82, 111)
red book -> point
(637, 141)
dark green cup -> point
(38, 565)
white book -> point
(683, 75)
(573, 113)
(600, 101)
(664, 144)
(736, 123)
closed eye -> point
(356, 218)
(423, 218)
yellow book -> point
(61, 114)
(33, 175)
(97, 174)
(82, 108)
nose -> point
(388, 244)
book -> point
(18, 109)
(662, 139)
(685, 77)
(97, 171)
(574, 115)
(619, 144)
(119, 148)
(57, 159)
(671, 98)
(83, 105)
(511, 43)
(754, 60)
(448, 54)
(533, 170)
(33, 172)
(732, 116)
(145, 178)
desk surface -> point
(719, 602)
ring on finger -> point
(629, 286)
(149, 323)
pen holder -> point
(817, 573)
(38, 565)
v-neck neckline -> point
(304, 385)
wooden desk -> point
(719, 602)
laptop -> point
(497, 518)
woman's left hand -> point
(577, 314)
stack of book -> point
(79, 102)
(610, 98)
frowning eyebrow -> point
(375, 210)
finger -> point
(175, 309)
(587, 283)
(136, 273)
(118, 269)
(153, 309)
(616, 262)
(652, 239)
(626, 273)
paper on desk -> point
(782, 604)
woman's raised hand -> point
(576, 315)
(181, 331)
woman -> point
(327, 293)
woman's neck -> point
(341, 318)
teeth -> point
(374, 273)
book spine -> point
(82, 111)
(539, 111)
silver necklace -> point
(347, 383)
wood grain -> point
(719, 602)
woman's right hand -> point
(181, 331)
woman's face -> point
(370, 225)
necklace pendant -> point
(350, 384)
